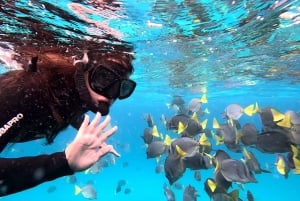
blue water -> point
(242, 51)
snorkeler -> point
(47, 96)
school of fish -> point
(190, 144)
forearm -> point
(17, 174)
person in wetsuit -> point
(48, 95)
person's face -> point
(105, 86)
(101, 103)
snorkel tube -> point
(81, 87)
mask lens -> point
(105, 82)
(101, 78)
(126, 88)
(112, 91)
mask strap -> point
(81, 84)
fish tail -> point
(285, 122)
(216, 124)
(277, 116)
(77, 190)
(249, 110)
(203, 99)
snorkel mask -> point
(108, 83)
(107, 78)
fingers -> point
(107, 149)
(84, 124)
(100, 141)
(96, 120)
(96, 130)
(105, 122)
(99, 129)
(103, 137)
(113, 151)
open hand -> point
(89, 144)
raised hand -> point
(89, 144)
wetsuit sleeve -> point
(17, 174)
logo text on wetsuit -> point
(9, 124)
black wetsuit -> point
(35, 105)
(17, 174)
(44, 101)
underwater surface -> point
(230, 51)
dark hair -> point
(119, 62)
(46, 91)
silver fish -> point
(89, 192)
(194, 105)
(234, 111)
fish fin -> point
(158, 159)
(206, 111)
(195, 117)
(234, 195)
(155, 131)
(285, 122)
(167, 140)
(180, 152)
(280, 166)
(265, 171)
(296, 159)
(168, 105)
(219, 140)
(204, 140)
(77, 190)
(203, 99)
(249, 110)
(218, 166)
(297, 170)
(257, 109)
(240, 185)
(246, 153)
(295, 151)
(163, 119)
(161, 136)
(204, 124)
(216, 124)
(277, 116)
(238, 137)
(151, 118)
(211, 158)
(212, 185)
(181, 127)
(297, 165)
(231, 122)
